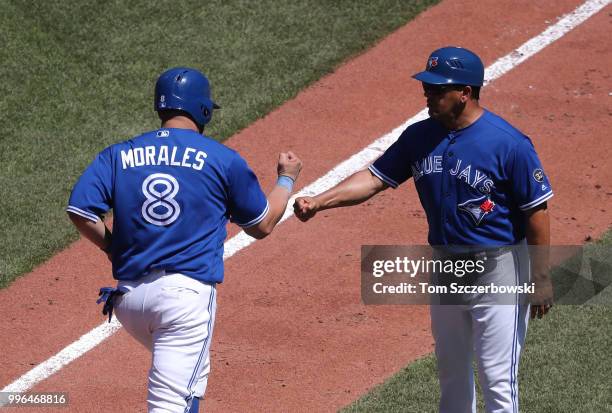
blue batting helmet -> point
(453, 65)
(182, 88)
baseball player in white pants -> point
(172, 191)
(483, 187)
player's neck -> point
(470, 114)
(180, 122)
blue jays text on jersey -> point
(473, 183)
(172, 192)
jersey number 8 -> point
(160, 208)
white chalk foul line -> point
(334, 176)
(67, 355)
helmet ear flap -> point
(207, 113)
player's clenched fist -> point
(289, 165)
(305, 208)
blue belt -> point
(475, 253)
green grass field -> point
(564, 368)
(78, 76)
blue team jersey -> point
(172, 192)
(473, 183)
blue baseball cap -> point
(452, 66)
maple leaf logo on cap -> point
(433, 62)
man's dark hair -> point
(475, 92)
(166, 114)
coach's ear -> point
(466, 93)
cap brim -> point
(431, 78)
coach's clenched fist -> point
(305, 208)
(355, 189)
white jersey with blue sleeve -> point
(473, 183)
(172, 192)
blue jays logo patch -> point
(477, 208)
(433, 62)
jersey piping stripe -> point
(206, 340)
(513, 392)
(383, 177)
(84, 214)
(203, 351)
(258, 219)
(537, 202)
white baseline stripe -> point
(64, 357)
(340, 172)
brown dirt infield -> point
(292, 333)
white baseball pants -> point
(493, 333)
(173, 316)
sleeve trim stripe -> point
(84, 214)
(536, 202)
(258, 219)
(383, 177)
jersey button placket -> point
(451, 138)
(445, 187)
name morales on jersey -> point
(163, 155)
(473, 177)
